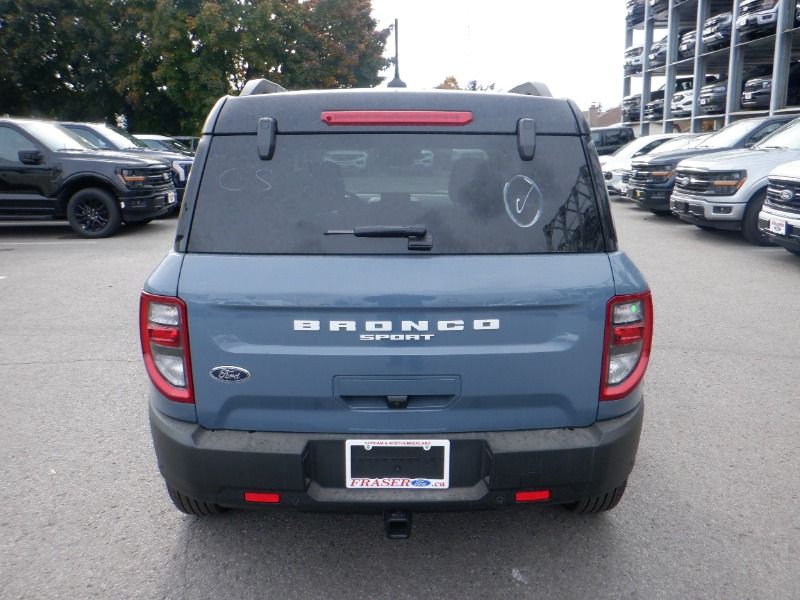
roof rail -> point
(261, 86)
(532, 88)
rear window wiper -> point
(418, 237)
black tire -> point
(192, 506)
(596, 504)
(750, 222)
(661, 213)
(93, 213)
(705, 227)
(793, 251)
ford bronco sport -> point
(446, 323)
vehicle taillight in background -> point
(626, 347)
(165, 346)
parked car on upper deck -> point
(687, 44)
(757, 92)
(633, 60)
(634, 10)
(760, 17)
(717, 31)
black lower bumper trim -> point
(307, 470)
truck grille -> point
(693, 181)
(626, 176)
(749, 6)
(778, 194)
(754, 85)
(641, 174)
(157, 177)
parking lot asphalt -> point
(710, 510)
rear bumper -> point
(307, 470)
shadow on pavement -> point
(468, 554)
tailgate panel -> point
(488, 343)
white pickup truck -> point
(726, 190)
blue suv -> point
(388, 300)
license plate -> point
(638, 194)
(172, 197)
(777, 226)
(703, 101)
(708, 31)
(748, 95)
(397, 464)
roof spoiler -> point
(261, 86)
(532, 88)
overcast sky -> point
(574, 46)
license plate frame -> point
(405, 478)
(777, 226)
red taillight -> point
(262, 497)
(532, 496)
(626, 345)
(396, 117)
(165, 346)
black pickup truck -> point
(47, 172)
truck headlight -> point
(728, 183)
(132, 178)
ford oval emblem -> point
(787, 195)
(420, 482)
(230, 374)
(685, 181)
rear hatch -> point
(420, 281)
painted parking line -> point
(45, 243)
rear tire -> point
(93, 213)
(597, 504)
(192, 506)
(750, 221)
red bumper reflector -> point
(396, 117)
(532, 496)
(262, 497)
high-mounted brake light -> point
(396, 117)
(165, 346)
(626, 346)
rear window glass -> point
(471, 193)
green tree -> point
(163, 63)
